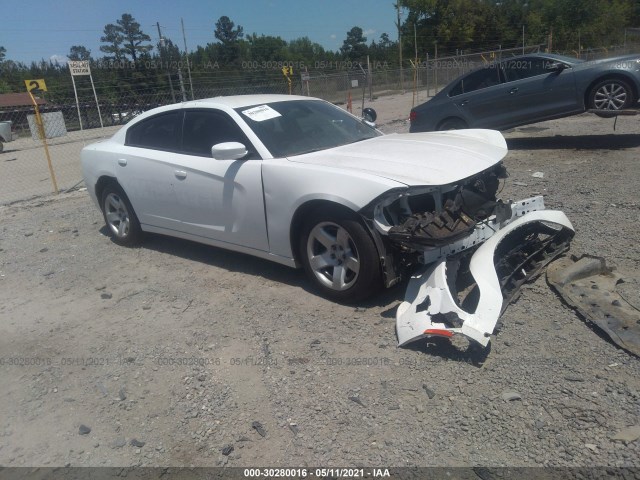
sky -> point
(46, 29)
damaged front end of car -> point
(470, 252)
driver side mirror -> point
(369, 115)
(556, 67)
(229, 151)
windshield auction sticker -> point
(261, 113)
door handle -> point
(513, 90)
(181, 174)
(122, 162)
(464, 102)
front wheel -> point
(119, 216)
(339, 257)
(612, 94)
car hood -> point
(434, 158)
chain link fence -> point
(68, 127)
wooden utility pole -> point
(173, 95)
(400, 46)
(186, 56)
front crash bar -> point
(429, 297)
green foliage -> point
(229, 48)
(354, 46)
(78, 52)
(479, 25)
(232, 58)
(125, 39)
(113, 39)
(133, 37)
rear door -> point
(481, 97)
(145, 166)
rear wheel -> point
(339, 257)
(119, 216)
(452, 124)
(611, 94)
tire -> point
(452, 124)
(119, 217)
(1, 147)
(340, 257)
(611, 94)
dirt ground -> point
(170, 352)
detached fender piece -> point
(514, 255)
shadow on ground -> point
(258, 267)
(575, 142)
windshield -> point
(301, 126)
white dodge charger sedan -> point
(301, 182)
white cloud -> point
(370, 31)
(61, 59)
(333, 36)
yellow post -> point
(40, 85)
(287, 72)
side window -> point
(519, 69)
(205, 128)
(160, 132)
(483, 78)
(457, 89)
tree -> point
(225, 31)
(303, 49)
(229, 37)
(267, 47)
(3, 52)
(125, 38)
(385, 50)
(78, 52)
(113, 37)
(354, 46)
(133, 37)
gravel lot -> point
(170, 352)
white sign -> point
(354, 83)
(261, 113)
(79, 68)
(305, 77)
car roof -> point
(239, 101)
(222, 102)
(231, 101)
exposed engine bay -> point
(475, 251)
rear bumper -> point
(511, 256)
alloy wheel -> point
(116, 214)
(333, 256)
(610, 96)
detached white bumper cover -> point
(430, 307)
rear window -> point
(160, 132)
(483, 78)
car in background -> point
(301, 182)
(530, 88)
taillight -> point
(438, 332)
(413, 115)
